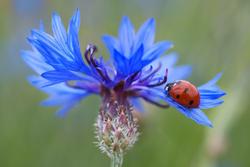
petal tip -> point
(55, 15)
(151, 21)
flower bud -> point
(116, 129)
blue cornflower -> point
(210, 95)
(136, 70)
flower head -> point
(136, 68)
(210, 95)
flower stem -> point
(116, 160)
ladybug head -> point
(169, 86)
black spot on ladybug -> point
(186, 90)
(177, 96)
(191, 102)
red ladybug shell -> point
(184, 93)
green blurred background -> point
(212, 36)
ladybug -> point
(184, 93)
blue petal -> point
(179, 72)
(46, 40)
(157, 50)
(60, 35)
(63, 111)
(211, 94)
(146, 34)
(60, 95)
(73, 30)
(126, 36)
(75, 46)
(69, 103)
(60, 76)
(61, 99)
(35, 61)
(154, 94)
(137, 104)
(50, 45)
(212, 82)
(52, 56)
(59, 56)
(135, 63)
(167, 61)
(199, 117)
(76, 20)
(58, 29)
(210, 103)
(39, 82)
(120, 62)
(126, 66)
(111, 43)
(60, 88)
(174, 72)
(41, 26)
(195, 114)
